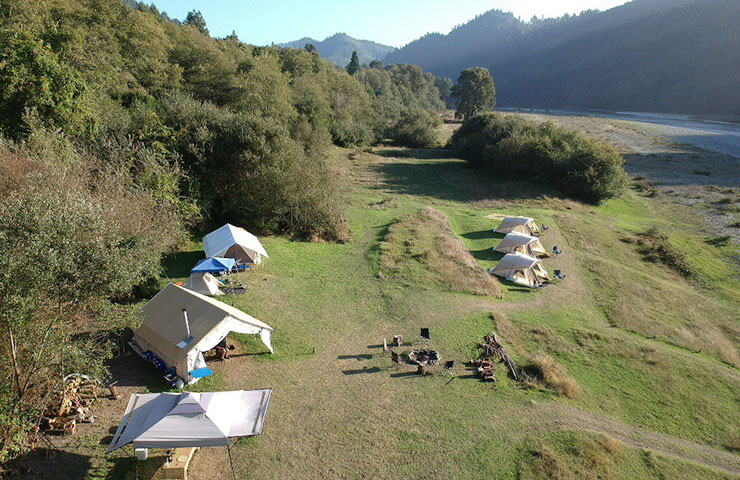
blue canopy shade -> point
(214, 265)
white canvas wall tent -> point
(204, 283)
(520, 243)
(164, 330)
(176, 420)
(234, 242)
(524, 225)
(521, 269)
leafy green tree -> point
(474, 93)
(376, 64)
(36, 79)
(354, 64)
(310, 48)
(195, 19)
(444, 85)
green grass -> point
(340, 410)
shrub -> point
(416, 129)
(578, 166)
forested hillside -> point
(647, 55)
(123, 132)
(339, 47)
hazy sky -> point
(392, 22)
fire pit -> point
(422, 358)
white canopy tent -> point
(520, 243)
(204, 283)
(521, 269)
(524, 225)
(234, 242)
(175, 420)
(180, 343)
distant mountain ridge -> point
(339, 47)
(678, 56)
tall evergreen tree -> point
(474, 93)
(195, 19)
(354, 64)
(310, 48)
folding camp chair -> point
(545, 227)
(396, 358)
(556, 250)
(424, 336)
(447, 368)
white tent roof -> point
(172, 420)
(515, 239)
(218, 242)
(512, 261)
(520, 224)
(163, 326)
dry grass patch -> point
(544, 371)
(579, 456)
(423, 243)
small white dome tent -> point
(521, 269)
(520, 243)
(524, 225)
(234, 242)
(179, 325)
(204, 283)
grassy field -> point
(654, 355)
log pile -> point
(493, 349)
(70, 406)
(484, 367)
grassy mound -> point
(423, 243)
(545, 371)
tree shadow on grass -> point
(450, 179)
(49, 463)
(178, 265)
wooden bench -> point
(177, 468)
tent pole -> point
(136, 465)
(231, 461)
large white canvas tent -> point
(174, 420)
(203, 283)
(180, 343)
(521, 269)
(524, 225)
(234, 242)
(520, 243)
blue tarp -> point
(201, 372)
(214, 265)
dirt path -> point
(556, 416)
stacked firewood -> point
(492, 349)
(70, 406)
(484, 367)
